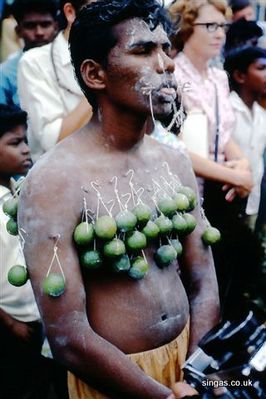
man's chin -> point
(164, 111)
(38, 44)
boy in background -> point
(20, 327)
(246, 68)
(25, 374)
(247, 75)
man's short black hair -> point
(240, 59)
(240, 32)
(238, 5)
(21, 8)
(91, 35)
(11, 116)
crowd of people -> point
(99, 105)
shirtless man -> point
(120, 54)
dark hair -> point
(240, 59)
(240, 32)
(237, 5)
(22, 7)
(91, 35)
(11, 116)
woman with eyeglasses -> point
(225, 172)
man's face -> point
(139, 71)
(247, 13)
(37, 29)
(255, 78)
(14, 152)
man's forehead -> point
(134, 29)
(32, 16)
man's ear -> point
(239, 76)
(69, 12)
(93, 74)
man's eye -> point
(14, 142)
(143, 50)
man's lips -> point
(168, 90)
(167, 93)
(27, 162)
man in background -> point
(36, 25)
(48, 90)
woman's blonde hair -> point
(185, 12)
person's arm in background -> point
(41, 99)
(240, 180)
(234, 156)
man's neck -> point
(66, 32)
(123, 135)
(247, 97)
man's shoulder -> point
(36, 55)
(166, 151)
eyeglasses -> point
(213, 26)
(31, 25)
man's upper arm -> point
(47, 229)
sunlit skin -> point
(14, 154)
(103, 316)
(37, 29)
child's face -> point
(14, 153)
(255, 78)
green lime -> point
(84, 233)
(125, 221)
(121, 264)
(190, 194)
(211, 235)
(177, 246)
(143, 213)
(114, 248)
(182, 202)
(167, 206)
(54, 284)
(151, 230)
(91, 259)
(10, 207)
(136, 241)
(105, 227)
(179, 224)
(18, 275)
(191, 222)
(165, 255)
(165, 224)
(139, 268)
(12, 227)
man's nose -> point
(25, 149)
(39, 31)
(165, 63)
